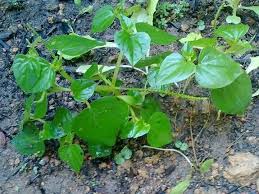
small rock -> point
(243, 169)
(152, 160)
(44, 161)
(184, 27)
(87, 189)
(71, 104)
(252, 139)
(2, 139)
(143, 173)
(103, 165)
(17, 162)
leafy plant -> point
(123, 112)
(169, 12)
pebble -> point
(17, 161)
(2, 139)
(184, 27)
(87, 189)
(71, 104)
(44, 161)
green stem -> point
(117, 69)
(217, 15)
(65, 75)
(148, 90)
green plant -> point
(235, 5)
(121, 111)
(168, 12)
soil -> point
(149, 171)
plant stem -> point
(117, 69)
(66, 75)
(171, 150)
(193, 144)
(217, 14)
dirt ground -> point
(148, 171)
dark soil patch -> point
(148, 171)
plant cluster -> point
(122, 112)
(169, 12)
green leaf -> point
(101, 123)
(156, 59)
(216, 69)
(206, 165)
(174, 68)
(83, 89)
(188, 52)
(72, 46)
(27, 141)
(160, 130)
(134, 98)
(127, 24)
(33, 74)
(150, 105)
(41, 106)
(73, 155)
(233, 19)
(77, 2)
(157, 36)
(253, 8)
(125, 154)
(135, 129)
(91, 71)
(203, 42)
(133, 46)
(27, 108)
(234, 98)
(239, 48)
(181, 187)
(232, 32)
(63, 119)
(99, 151)
(51, 132)
(103, 18)
(140, 15)
(191, 37)
(253, 65)
(181, 145)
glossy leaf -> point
(125, 154)
(150, 105)
(160, 132)
(101, 123)
(135, 129)
(41, 106)
(232, 32)
(133, 46)
(206, 165)
(99, 151)
(73, 155)
(157, 35)
(63, 119)
(216, 69)
(72, 46)
(27, 141)
(234, 98)
(253, 65)
(239, 47)
(91, 71)
(51, 132)
(83, 89)
(156, 59)
(174, 68)
(103, 18)
(181, 187)
(134, 98)
(203, 42)
(233, 19)
(27, 108)
(33, 74)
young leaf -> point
(134, 98)
(203, 42)
(253, 65)
(234, 98)
(188, 52)
(133, 46)
(82, 89)
(50, 131)
(91, 71)
(233, 19)
(100, 124)
(27, 108)
(181, 187)
(99, 151)
(174, 68)
(206, 165)
(216, 69)
(239, 48)
(72, 46)
(73, 155)
(134, 130)
(232, 32)
(160, 130)
(191, 37)
(27, 141)
(124, 154)
(41, 106)
(157, 36)
(33, 74)
(156, 59)
(63, 119)
(140, 15)
(103, 18)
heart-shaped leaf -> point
(83, 89)
(33, 74)
(157, 36)
(133, 46)
(234, 98)
(100, 124)
(73, 155)
(99, 151)
(160, 132)
(216, 69)
(103, 18)
(174, 68)
(233, 19)
(72, 46)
